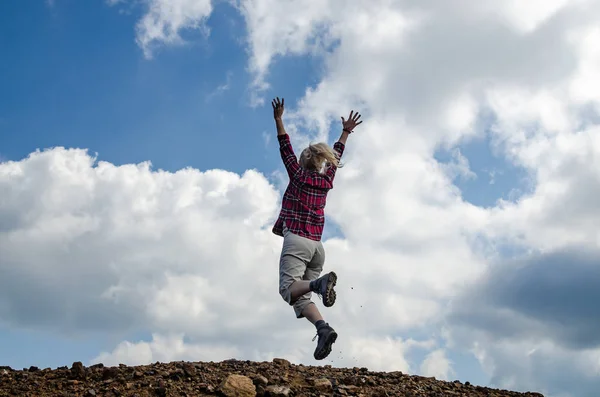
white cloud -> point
(527, 16)
(368, 353)
(111, 241)
(273, 30)
(560, 211)
(188, 256)
(585, 85)
(164, 21)
(164, 349)
(437, 364)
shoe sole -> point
(330, 294)
(326, 350)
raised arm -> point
(278, 107)
(348, 127)
(285, 147)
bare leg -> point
(312, 314)
(299, 288)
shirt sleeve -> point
(287, 155)
(339, 148)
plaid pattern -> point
(302, 208)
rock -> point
(161, 390)
(238, 386)
(91, 392)
(323, 385)
(260, 380)
(77, 370)
(175, 374)
(109, 373)
(33, 369)
(189, 369)
(281, 362)
(277, 391)
(206, 388)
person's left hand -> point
(350, 124)
(278, 108)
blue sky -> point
(76, 78)
(496, 178)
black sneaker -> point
(323, 286)
(327, 337)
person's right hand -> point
(277, 108)
(350, 124)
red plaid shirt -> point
(302, 208)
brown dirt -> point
(277, 378)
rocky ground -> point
(229, 378)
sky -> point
(140, 177)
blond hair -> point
(317, 156)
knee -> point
(286, 294)
(300, 305)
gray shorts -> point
(301, 259)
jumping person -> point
(301, 222)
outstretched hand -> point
(350, 124)
(278, 108)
